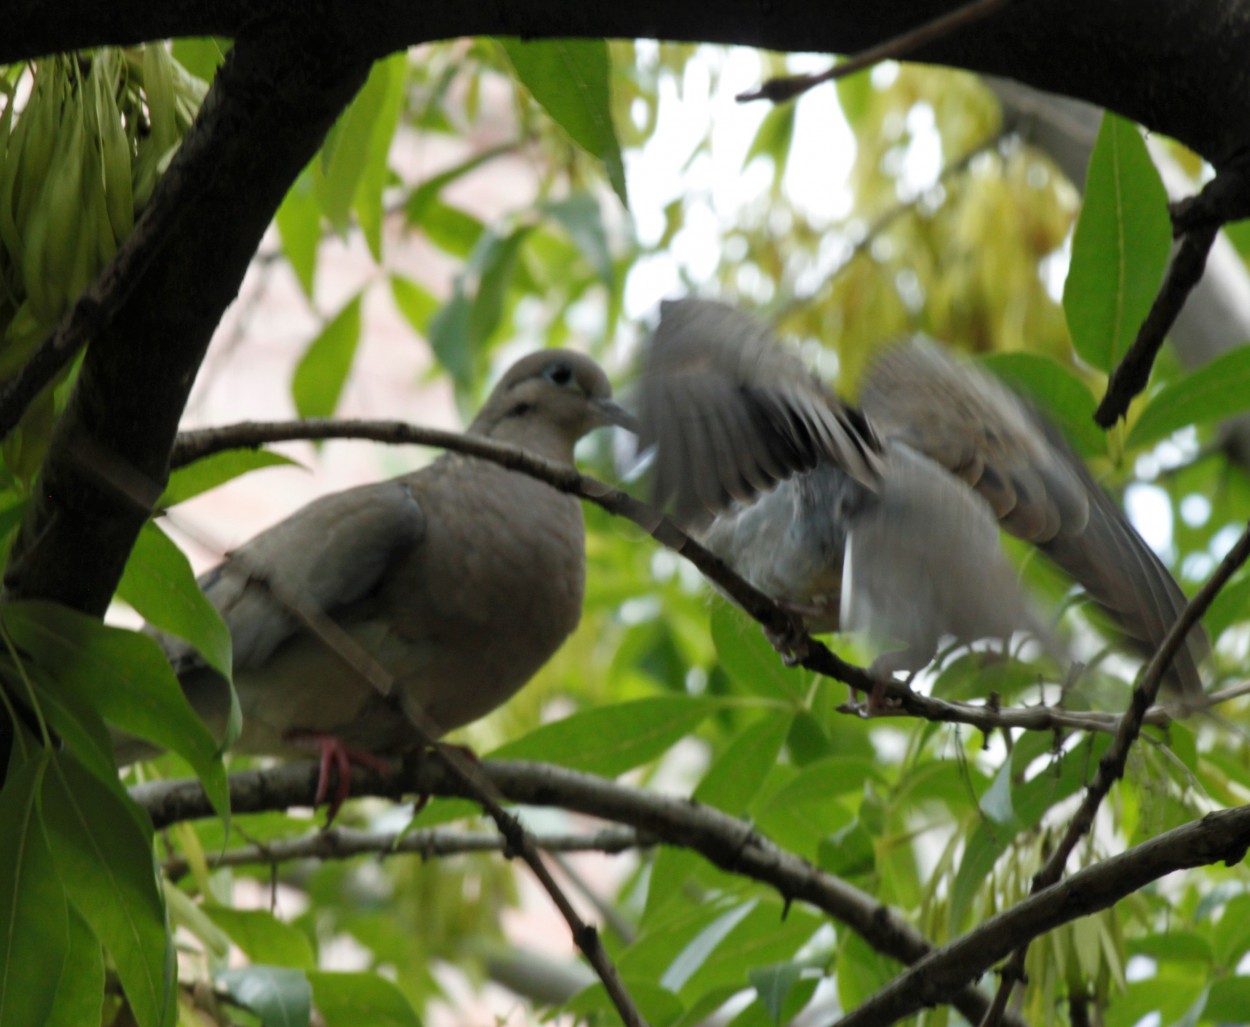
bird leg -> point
(332, 753)
(791, 642)
(449, 751)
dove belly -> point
(924, 563)
(790, 542)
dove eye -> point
(559, 374)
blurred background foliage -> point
(897, 201)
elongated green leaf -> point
(1120, 246)
(322, 371)
(159, 583)
(581, 217)
(773, 985)
(104, 860)
(217, 469)
(363, 130)
(424, 195)
(1212, 393)
(389, 77)
(348, 999)
(280, 997)
(610, 740)
(695, 954)
(748, 658)
(570, 79)
(34, 931)
(299, 227)
(263, 938)
(449, 337)
(80, 990)
(1057, 391)
(122, 674)
(497, 261)
(415, 302)
(734, 779)
(1029, 802)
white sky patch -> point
(1150, 511)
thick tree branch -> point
(1176, 66)
(265, 116)
(733, 845)
(725, 841)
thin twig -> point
(1133, 371)
(779, 90)
(346, 843)
(1111, 766)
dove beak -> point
(613, 413)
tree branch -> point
(812, 654)
(725, 841)
(264, 117)
(733, 845)
(337, 843)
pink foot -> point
(334, 754)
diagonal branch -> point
(733, 845)
(729, 843)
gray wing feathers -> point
(328, 555)
(733, 412)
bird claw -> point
(792, 642)
(334, 756)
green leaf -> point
(707, 941)
(389, 77)
(610, 740)
(1120, 246)
(570, 79)
(348, 999)
(34, 930)
(497, 262)
(1030, 801)
(423, 196)
(201, 56)
(582, 219)
(1058, 391)
(449, 337)
(122, 674)
(773, 139)
(1231, 937)
(773, 984)
(415, 302)
(80, 990)
(452, 230)
(1228, 1001)
(217, 469)
(734, 779)
(299, 227)
(322, 371)
(1212, 393)
(263, 938)
(747, 657)
(104, 859)
(280, 997)
(359, 140)
(159, 583)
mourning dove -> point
(886, 520)
(458, 581)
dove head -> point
(547, 401)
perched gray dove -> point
(886, 519)
(457, 581)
